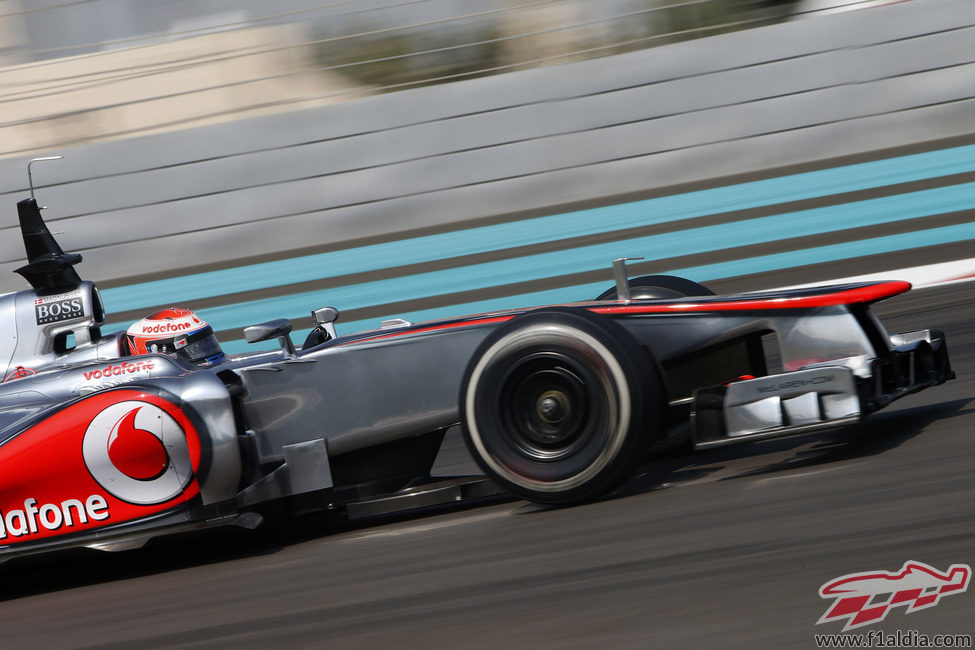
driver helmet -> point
(177, 332)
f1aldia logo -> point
(865, 598)
(138, 453)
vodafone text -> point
(52, 516)
(123, 368)
(161, 328)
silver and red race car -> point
(106, 449)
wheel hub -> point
(553, 406)
(546, 406)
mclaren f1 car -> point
(105, 447)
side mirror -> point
(279, 328)
(325, 318)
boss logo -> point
(54, 311)
(138, 453)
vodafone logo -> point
(18, 522)
(122, 369)
(137, 452)
(166, 327)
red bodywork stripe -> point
(857, 295)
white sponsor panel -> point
(151, 419)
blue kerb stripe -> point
(541, 229)
(708, 239)
(702, 273)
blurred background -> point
(424, 158)
(96, 69)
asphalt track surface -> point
(722, 549)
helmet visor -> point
(204, 349)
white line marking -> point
(927, 275)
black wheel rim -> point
(547, 406)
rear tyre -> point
(560, 405)
(659, 286)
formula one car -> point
(104, 448)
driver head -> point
(177, 332)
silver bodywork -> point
(359, 394)
(26, 342)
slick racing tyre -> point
(659, 286)
(560, 405)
